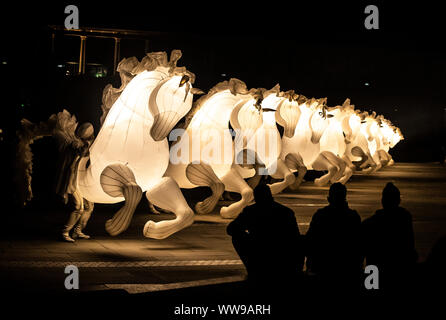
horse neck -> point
(303, 125)
(216, 111)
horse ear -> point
(196, 91)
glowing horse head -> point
(266, 143)
(247, 117)
(318, 119)
(370, 126)
(396, 137)
(288, 112)
(350, 121)
(391, 135)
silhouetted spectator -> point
(389, 239)
(333, 242)
(266, 237)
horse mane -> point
(235, 86)
(128, 68)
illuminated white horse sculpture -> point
(349, 124)
(387, 137)
(363, 149)
(382, 136)
(391, 135)
(302, 146)
(206, 155)
(275, 105)
(131, 152)
(344, 125)
(370, 140)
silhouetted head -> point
(337, 195)
(262, 194)
(85, 131)
(391, 196)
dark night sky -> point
(318, 49)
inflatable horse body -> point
(125, 138)
(357, 153)
(351, 124)
(266, 141)
(391, 137)
(131, 152)
(304, 151)
(344, 126)
(369, 146)
(277, 108)
(385, 137)
(333, 142)
(206, 154)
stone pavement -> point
(33, 258)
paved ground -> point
(33, 259)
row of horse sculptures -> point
(131, 153)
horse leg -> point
(295, 162)
(167, 195)
(201, 174)
(391, 161)
(349, 163)
(321, 164)
(234, 182)
(346, 176)
(338, 163)
(348, 172)
(152, 208)
(378, 166)
(282, 171)
(117, 180)
(364, 162)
